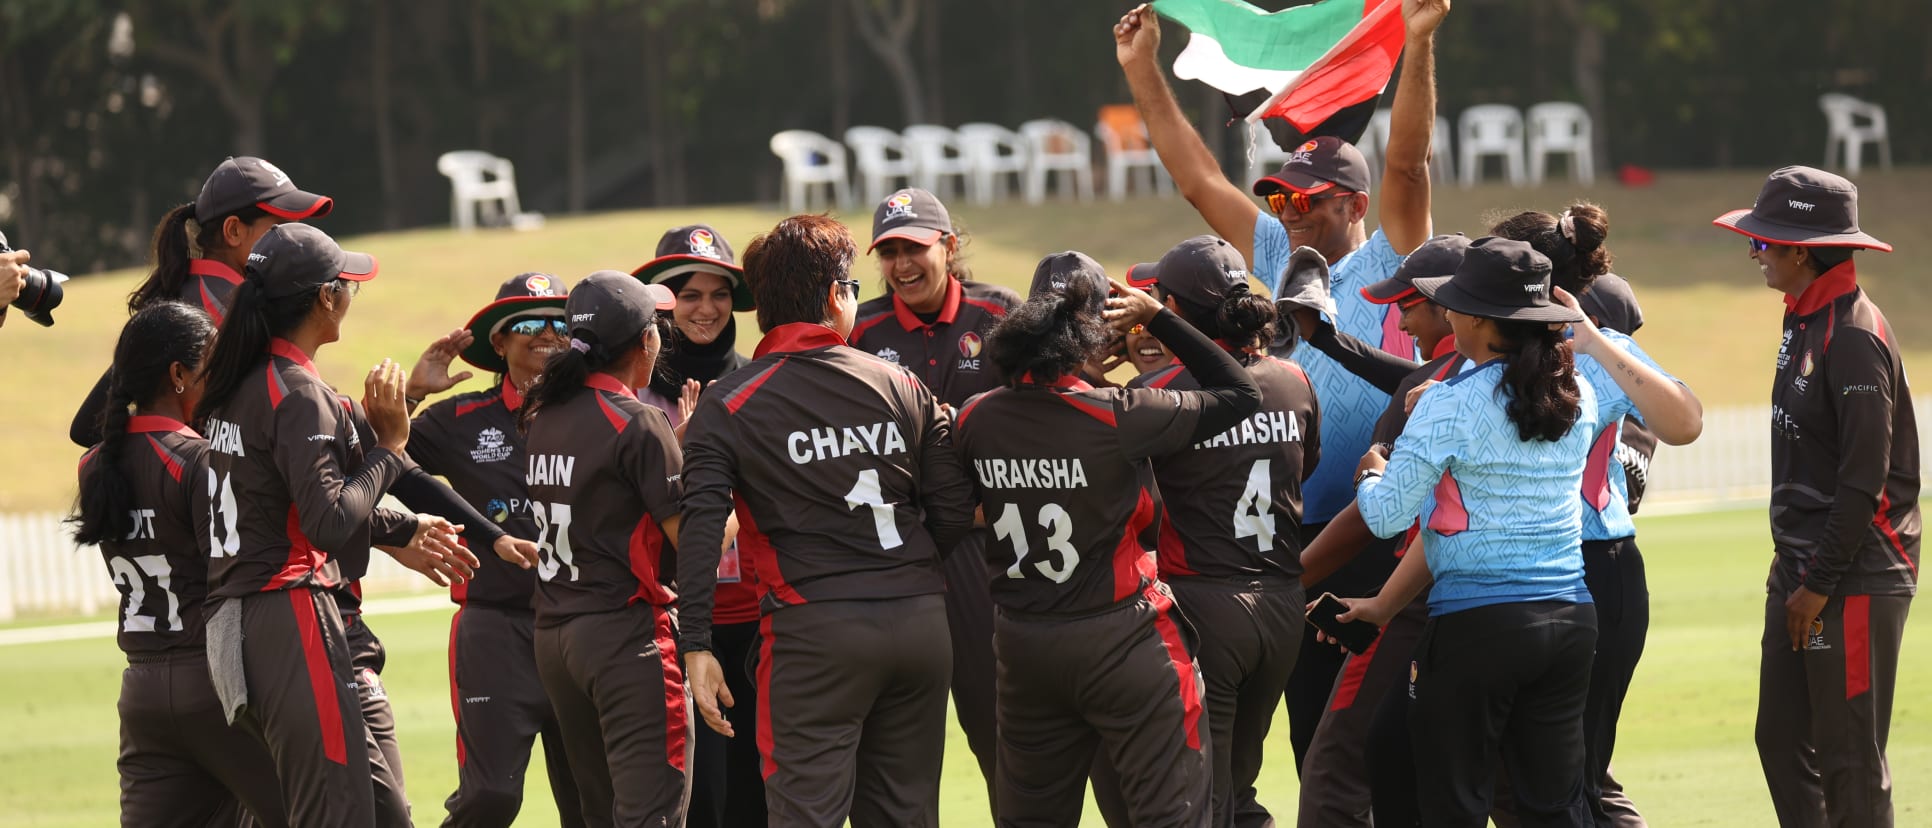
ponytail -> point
(159, 336)
(1539, 377)
(179, 239)
(1573, 242)
(564, 374)
(252, 320)
(1052, 335)
(1241, 321)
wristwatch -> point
(1366, 474)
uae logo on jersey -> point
(703, 244)
(1816, 639)
(888, 355)
(1805, 365)
(899, 206)
(490, 447)
(970, 345)
(539, 285)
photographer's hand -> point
(13, 278)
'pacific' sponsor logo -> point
(833, 442)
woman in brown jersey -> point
(200, 247)
(144, 501)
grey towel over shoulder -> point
(224, 632)
(1304, 284)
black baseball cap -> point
(612, 306)
(1804, 207)
(911, 214)
(1438, 256)
(251, 182)
(1614, 305)
(1141, 275)
(1202, 270)
(1318, 165)
(1499, 279)
(296, 257)
(1055, 272)
(525, 294)
(697, 248)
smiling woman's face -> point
(704, 306)
(527, 354)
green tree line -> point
(110, 112)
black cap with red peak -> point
(1318, 165)
(296, 257)
(251, 182)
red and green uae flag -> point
(1325, 63)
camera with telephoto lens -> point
(41, 293)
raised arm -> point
(1668, 407)
(1404, 200)
(1227, 209)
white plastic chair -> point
(811, 161)
(993, 151)
(1375, 144)
(1561, 127)
(1491, 130)
(882, 158)
(1057, 147)
(480, 181)
(937, 157)
(1125, 154)
(1846, 136)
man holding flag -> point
(1318, 199)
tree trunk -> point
(575, 128)
(886, 26)
(379, 101)
(480, 73)
(934, 69)
(841, 60)
(14, 110)
(1586, 68)
(1019, 98)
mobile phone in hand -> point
(1356, 636)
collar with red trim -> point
(293, 353)
(955, 293)
(210, 267)
(512, 399)
(606, 382)
(1829, 285)
(1069, 382)
(1444, 347)
(796, 336)
(158, 423)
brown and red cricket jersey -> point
(292, 486)
(161, 567)
(604, 473)
(947, 350)
(1446, 363)
(1233, 505)
(1844, 448)
(841, 470)
(472, 441)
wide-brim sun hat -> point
(1803, 207)
(697, 248)
(526, 294)
(1499, 279)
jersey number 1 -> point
(867, 492)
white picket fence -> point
(42, 574)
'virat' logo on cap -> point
(1799, 205)
(1536, 289)
(257, 257)
(280, 177)
(703, 244)
(899, 205)
(538, 285)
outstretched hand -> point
(708, 690)
(1129, 307)
(431, 372)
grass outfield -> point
(1685, 752)
(1709, 318)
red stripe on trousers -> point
(328, 711)
(770, 766)
(1858, 645)
(677, 723)
(456, 696)
(1183, 669)
(1352, 675)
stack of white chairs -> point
(992, 153)
(883, 160)
(811, 161)
(1851, 124)
(937, 159)
(1057, 147)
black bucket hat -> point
(697, 248)
(1499, 279)
(1804, 207)
(525, 294)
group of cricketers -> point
(731, 591)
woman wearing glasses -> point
(472, 440)
(936, 321)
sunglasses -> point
(1757, 246)
(851, 285)
(536, 325)
(349, 286)
(1279, 201)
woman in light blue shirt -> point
(1491, 461)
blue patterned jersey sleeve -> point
(1271, 250)
(1426, 450)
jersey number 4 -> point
(1059, 525)
(224, 540)
(1253, 516)
(553, 540)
